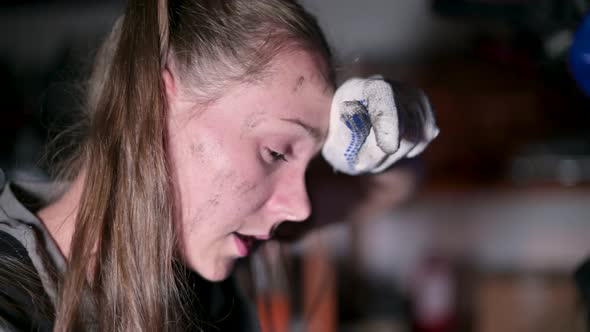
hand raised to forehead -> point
(374, 123)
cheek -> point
(200, 175)
(254, 185)
(249, 195)
(222, 183)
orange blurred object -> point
(274, 312)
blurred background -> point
(497, 216)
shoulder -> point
(16, 234)
(24, 304)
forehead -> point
(295, 90)
(300, 68)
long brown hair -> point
(122, 272)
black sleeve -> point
(219, 306)
(582, 277)
(24, 305)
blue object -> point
(579, 55)
(359, 124)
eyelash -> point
(276, 156)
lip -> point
(243, 248)
(246, 243)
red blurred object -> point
(434, 296)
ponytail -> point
(123, 249)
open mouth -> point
(245, 243)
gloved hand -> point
(374, 123)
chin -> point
(217, 272)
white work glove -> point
(374, 123)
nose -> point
(290, 201)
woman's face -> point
(239, 163)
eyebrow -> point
(311, 130)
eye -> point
(275, 156)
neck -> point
(59, 217)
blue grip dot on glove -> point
(359, 124)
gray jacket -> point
(28, 294)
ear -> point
(169, 83)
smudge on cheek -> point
(214, 202)
(198, 150)
(250, 195)
(244, 187)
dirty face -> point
(239, 163)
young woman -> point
(201, 119)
